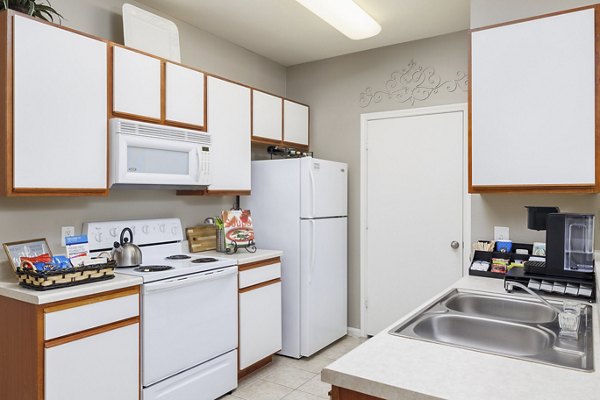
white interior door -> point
(414, 210)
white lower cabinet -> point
(260, 314)
(99, 367)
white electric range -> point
(189, 311)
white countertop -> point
(9, 287)
(242, 256)
(394, 367)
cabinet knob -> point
(454, 244)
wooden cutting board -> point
(202, 238)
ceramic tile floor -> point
(289, 379)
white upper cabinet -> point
(60, 114)
(295, 123)
(533, 105)
(229, 126)
(266, 116)
(136, 84)
(185, 94)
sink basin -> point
(484, 334)
(502, 325)
(503, 308)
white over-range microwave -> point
(151, 154)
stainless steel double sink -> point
(503, 325)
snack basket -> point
(52, 278)
(47, 280)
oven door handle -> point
(188, 280)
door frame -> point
(466, 203)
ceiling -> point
(286, 32)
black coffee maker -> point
(570, 244)
(568, 268)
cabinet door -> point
(260, 323)
(59, 98)
(98, 367)
(229, 126)
(295, 123)
(136, 84)
(533, 104)
(184, 96)
(266, 116)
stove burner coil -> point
(152, 268)
(204, 260)
(178, 257)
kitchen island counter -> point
(9, 287)
(392, 367)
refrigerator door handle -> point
(312, 190)
(313, 250)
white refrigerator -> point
(300, 206)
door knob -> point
(454, 244)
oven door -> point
(154, 161)
(186, 321)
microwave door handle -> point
(197, 164)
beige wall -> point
(42, 217)
(199, 48)
(332, 88)
(489, 12)
(508, 210)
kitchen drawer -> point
(61, 322)
(260, 274)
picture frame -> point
(25, 248)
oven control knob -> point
(162, 228)
(145, 229)
(174, 230)
(98, 237)
(113, 232)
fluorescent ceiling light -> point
(345, 16)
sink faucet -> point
(509, 285)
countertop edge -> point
(16, 292)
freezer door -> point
(324, 188)
(323, 291)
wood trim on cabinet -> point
(261, 140)
(470, 118)
(163, 92)
(254, 367)
(545, 188)
(109, 95)
(259, 285)
(532, 18)
(91, 332)
(57, 192)
(339, 393)
(91, 299)
(6, 103)
(258, 264)
(21, 351)
(135, 117)
(533, 189)
(213, 192)
(597, 103)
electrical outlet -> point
(501, 233)
(66, 231)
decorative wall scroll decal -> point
(414, 83)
